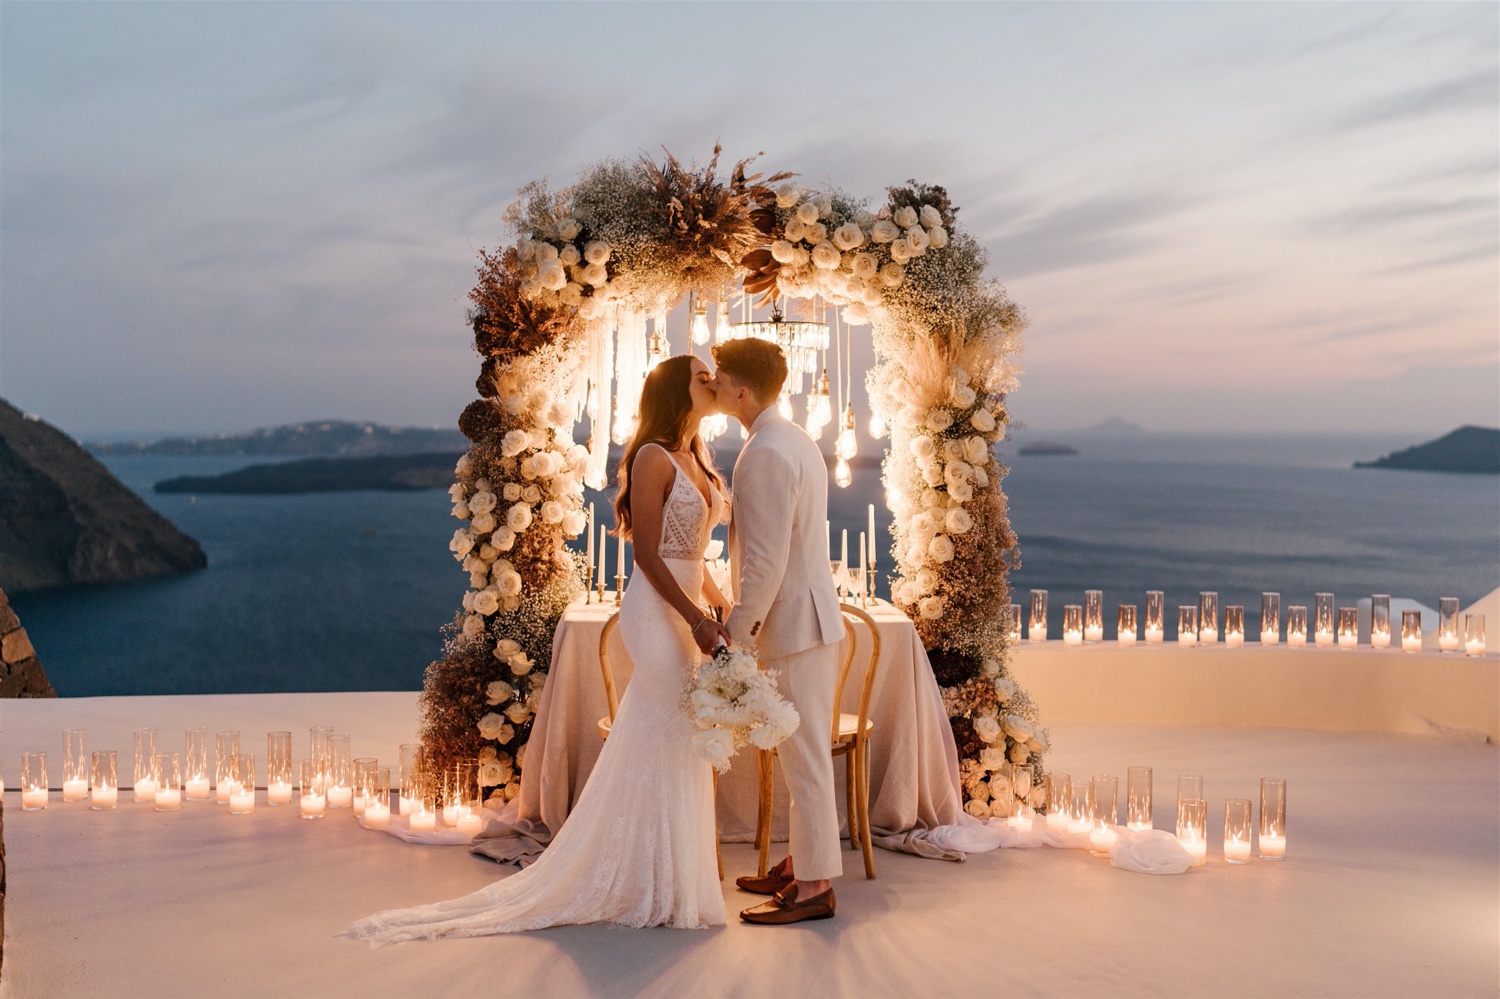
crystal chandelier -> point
(799, 341)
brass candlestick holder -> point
(588, 585)
(870, 583)
(619, 587)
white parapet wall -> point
(1336, 690)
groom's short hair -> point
(759, 365)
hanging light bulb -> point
(820, 406)
(784, 404)
(847, 446)
(841, 474)
(877, 425)
(814, 428)
(700, 324)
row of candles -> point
(329, 778)
(1092, 806)
(1085, 623)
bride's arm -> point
(652, 474)
(712, 595)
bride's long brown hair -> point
(666, 404)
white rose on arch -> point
(917, 240)
(531, 495)
(544, 252)
(977, 809)
(962, 491)
(518, 518)
(517, 712)
(987, 728)
(596, 252)
(491, 724)
(848, 236)
(462, 543)
(794, 230)
(941, 548)
(901, 251)
(983, 421)
(884, 231)
(504, 539)
(461, 510)
(486, 602)
(927, 580)
(976, 449)
(595, 275)
(905, 217)
(964, 396)
(930, 216)
(508, 584)
(788, 194)
(938, 420)
(931, 608)
(808, 212)
(514, 442)
(482, 502)
(484, 523)
(922, 447)
(569, 255)
(937, 236)
(958, 471)
(959, 521)
(473, 626)
(891, 275)
(498, 692)
(865, 266)
(826, 257)
(814, 233)
(783, 252)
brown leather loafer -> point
(785, 908)
(776, 879)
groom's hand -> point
(710, 634)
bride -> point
(639, 847)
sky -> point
(1247, 217)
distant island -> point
(1046, 448)
(316, 438)
(66, 520)
(1467, 449)
(392, 472)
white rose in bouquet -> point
(484, 523)
(569, 255)
(508, 583)
(884, 231)
(917, 240)
(978, 809)
(905, 217)
(930, 216)
(503, 538)
(961, 491)
(511, 491)
(931, 608)
(808, 212)
(462, 543)
(551, 276)
(825, 203)
(568, 228)
(800, 257)
(964, 396)
(901, 251)
(461, 510)
(959, 521)
(891, 275)
(597, 252)
(544, 252)
(826, 257)
(491, 774)
(486, 602)
(482, 502)
(958, 471)
(490, 725)
(940, 548)
(992, 757)
(1019, 753)
(520, 664)
(783, 252)
(937, 237)
(506, 648)
(922, 447)
(716, 745)
(953, 451)
(938, 420)
(1005, 689)
(517, 712)
(531, 495)
(976, 449)
(528, 467)
(931, 499)
(478, 580)
(983, 421)
(987, 728)
(932, 474)
(595, 275)
(498, 692)
(552, 512)
(794, 230)
(848, 236)
(514, 442)
(518, 518)
(788, 194)
(865, 266)
(815, 233)
(574, 523)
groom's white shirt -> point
(785, 602)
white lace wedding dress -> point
(638, 848)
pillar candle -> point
(104, 796)
(145, 789)
(168, 799)
(470, 823)
(197, 788)
(278, 792)
(1154, 634)
(1272, 846)
(423, 821)
(242, 800)
(75, 789)
(1237, 851)
(377, 815)
(34, 797)
(313, 805)
(340, 796)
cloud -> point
(1093, 230)
(1469, 92)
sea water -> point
(350, 591)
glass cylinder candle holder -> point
(1234, 626)
(1380, 621)
(1270, 618)
(1192, 829)
(1237, 830)
(1093, 615)
(1072, 624)
(242, 786)
(1323, 634)
(1013, 623)
(75, 777)
(196, 776)
(313, 790)
(409, 775)
(363, 770)
(319, 739)
(468, 783)
(1036, 629)
(1080, 806)
(1106, 815)
(377, 813)
(1271, 836)
(279, 777)
(1348, 627)
(1208, 616)
(34, 786)
(1057, 802)
(143, 773)
(1138, 798)
(1474, 634)
(226, 748)
(1296, 626)
(424, 813)
(1189, 788)
(340, 771)
(1155, 624)
(104, 780)
(1125, 632)
(1187, 626)
(169, 782)
(1448, 624)
(1411, 631)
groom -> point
(786, 607)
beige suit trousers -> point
(807, 679)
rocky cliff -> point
(64, 519)
(20, 673)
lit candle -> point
(405, 805)
(1093, 633)
(591, 536)
(278, 792)
(1102, 838)
(1269, 637)
(470, 823)
(340, 796)
(450, 815)
(1380, 639)
(241, 799)
(1447, 641)
(75, 789)
(1186, 638)
(1196, 847)
(33, 798)
(377, 815)
(1236, 850)
(1411, 643)
(1208, 636)
(1298, 639)
(168, 799)
(198, 788)
(313, 805)
(359, 804)
(1155, 634)
(872, 535)
(104, 796)
(1272, 846)
(1057, 820)
(1474, 647)
(1072, 636)
(1127, 638)
(145, 789)
(1323, 638)
(1348, 641)
(1234, 639)
(424, 821)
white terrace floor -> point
(1390, 889)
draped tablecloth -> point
(914, 787)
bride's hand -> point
(709, 634)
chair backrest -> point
(610, 693)
(852, 614)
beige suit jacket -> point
(778, 552)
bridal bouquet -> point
(731, 702)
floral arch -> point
(568, 309)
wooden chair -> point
(611, 694)
(850, 739)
